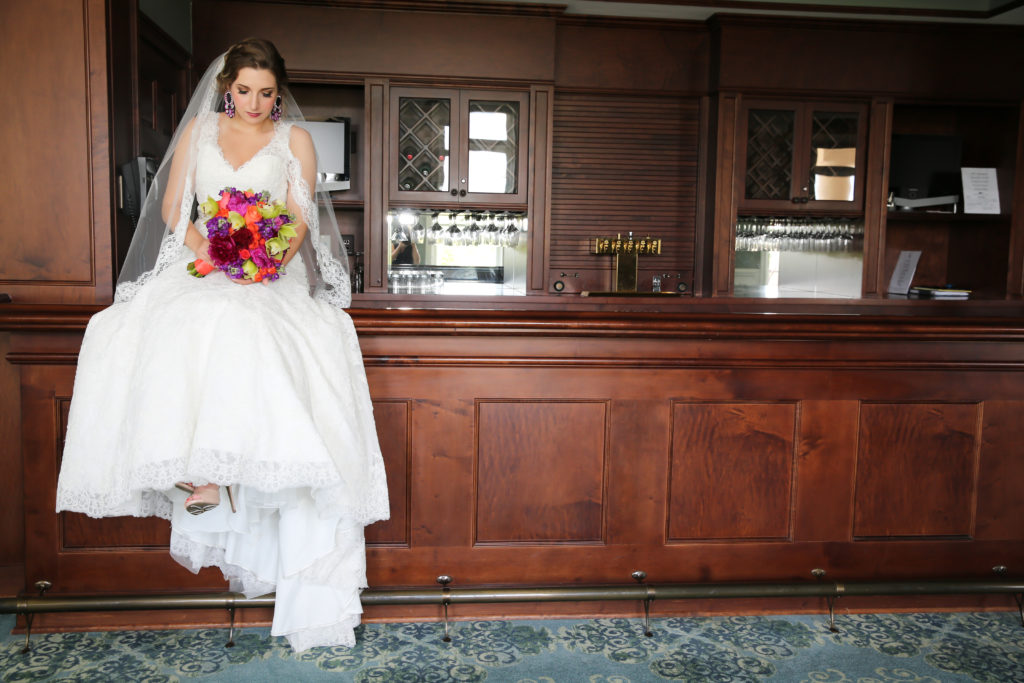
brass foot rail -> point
(643, 592)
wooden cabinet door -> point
(452, 147)
(424, 144)
(797, 157)
(493, 147)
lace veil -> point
(159, 243)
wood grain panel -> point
(1000, 513)
(826, 466)
(916, 469)
(875, 210)
(392, 418)
(732, 470)
(620, 164)
(540, 471)
(724, 194)
(639, 442)
(47, 107)
(915, 61)
(437, 45)
(57, 131)
(632, 55)
(12, 524)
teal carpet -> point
(870, 648)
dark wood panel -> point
(1000, 513)
(916, 470)
(663, 56)
(724, 195)
(12, 523)
(660, 387)
(732, 471)
(541, 116)
(392, 418)
(70, 260)
(620, 164)
(826, 466)
(433, 45)
(163, 88)
(540, 471)
(639, 443)
(879, 136)
(936, 61)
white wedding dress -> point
(261, 386)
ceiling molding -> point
(756, 6)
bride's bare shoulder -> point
(300, 140)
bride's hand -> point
(203, 251)
(242, 281)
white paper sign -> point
(981, 194)
(904, 273)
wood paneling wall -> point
(622, 163)
(424, 45)
(57, 245)
(868, 58)
(632, 55)
(524, 450)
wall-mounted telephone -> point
(133, 184)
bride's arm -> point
(301, 144)
(175, 187)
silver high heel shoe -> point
(206, 499)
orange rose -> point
(252, 214)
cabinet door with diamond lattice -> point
(493, 147)
(801, 156)
(424, 135)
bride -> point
(250, 392)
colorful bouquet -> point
(248, 235)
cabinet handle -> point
(795, 200)
(462, 193)
(454, 192)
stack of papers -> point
(939, 293)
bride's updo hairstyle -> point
(255, 53)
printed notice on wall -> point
(981, 194)
(904, 272)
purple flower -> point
(238, 202)
(217, 226)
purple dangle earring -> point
(275, 112)
(229, 105)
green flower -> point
(210, 207)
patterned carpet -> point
(870, 648)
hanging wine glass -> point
(453, 236)
(436, 233)
(493, 231)
(474, 234)
(510, 237)
(419, 231)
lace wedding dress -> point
(261, 386)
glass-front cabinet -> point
(802, 156)
(799, 229)
(458, 147)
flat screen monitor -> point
(331, 139)
(925, 166)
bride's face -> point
(254, 92)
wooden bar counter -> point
(696, 443)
